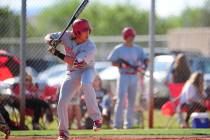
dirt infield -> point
(114, 138)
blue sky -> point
(164, 8)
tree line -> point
(105, 19)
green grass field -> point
(176, 132)
(159, 129)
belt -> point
(129, 73)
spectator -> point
(107, 109)
(37, 105)
(10, 101)
(180, 71)
(100, 91)
(192, 97)
(75, 112)
(50, 94)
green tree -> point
(193, 17)
(164, 24)
(105, 20)
(9, 23)
(54, 18)
(110, 19)
(196, 17)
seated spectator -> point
(75, 112)
(99, 90)
(50, 94)
(192, 97)
(33, 102)
(10, 101)
(6, 116)
(107, 109)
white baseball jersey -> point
(82, 52)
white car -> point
(162, 64)
(110, 73)
(51, 76)
(54, 75)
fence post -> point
(151, 50)
(22, 63)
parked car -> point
(101, 65)
(203, 64)
(162, 64)
(52, 78)
(110, 73)
(54, 75)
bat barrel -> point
(78, 11)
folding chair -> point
(169, 108)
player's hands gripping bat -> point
(135, 67)
(54, 42)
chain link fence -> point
(184, 31)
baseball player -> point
(80, 52)
(127, 84)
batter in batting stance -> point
(80, 52)
(127, 84)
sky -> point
(164, 8)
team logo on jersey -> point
(68, 49)
(69, 52)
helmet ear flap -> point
(78, 33)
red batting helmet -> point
(128, 32)
(80, 25)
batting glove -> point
(51, 50)
(54, 42)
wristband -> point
(59, 54)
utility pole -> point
(22, 62)
(151, 67)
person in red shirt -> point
(33, 103)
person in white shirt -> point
(192, 97)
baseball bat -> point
(127, 63)
(135, 67)
(79, 9)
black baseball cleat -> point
(97, 125)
